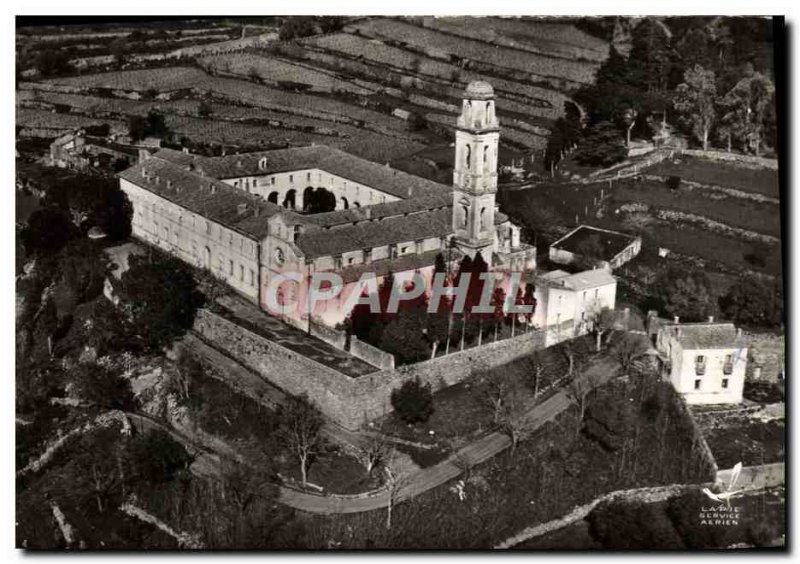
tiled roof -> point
(400, 207)
(611, 242)
(333, 161)
(337, 240)
(204, 196)
(579, 281)
(382, 267)
(706, 335)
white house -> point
(567, 302)
(706, 361)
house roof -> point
(706, 335)
(392, 181)
(204, 196)
(579, 281)
(611, 243)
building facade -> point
(705, 362)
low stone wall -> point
(353, 401)
(373, 355)
(331, 336)
(745, 160)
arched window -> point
(469, 155)
(488, 105)
(483, 219)
(356, 205)
(464, 215)
(345, 205)
(273, 197)
(485, 155)
(288, 201)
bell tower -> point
(475, 171)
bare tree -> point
(603, 320)
(395, 481)
(628, 349)
(494, 394)
(463, 463)
(534, 378)
(373, 451)
(578, 392)
(300, 426)
(512, 419)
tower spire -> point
(475, 171)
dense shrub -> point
(413, 401)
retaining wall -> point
(353, 401)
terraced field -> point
(546, 38)
(435, 41)
(275, 71)
(341, 89)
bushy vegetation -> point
(413, 401)
(158, 293)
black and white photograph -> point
(407, 282)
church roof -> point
(333, 161)
(479, 90)
(376, 233)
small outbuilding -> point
(592, 247)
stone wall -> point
(745, 160)
(373, 355)
(352, 401)
(330, 335)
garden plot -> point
(706, 171)
(551, 39)
(366, 144)
(572, 71)
(42, 123)
(160, 79)
(735, 212)
(276, 71)
(538, 101)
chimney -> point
(169, 184)
(213, 188)
(711, 319)
(241, 209)
(676, 319)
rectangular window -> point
(230, 267)
(595, 293)
(584, 296)
(308, 177)
(700, 359)
(697, 384)
(252, 277)
(724, 383)
(272, 180)
(241, 273)
(291, 178)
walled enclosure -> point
(351, 402)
